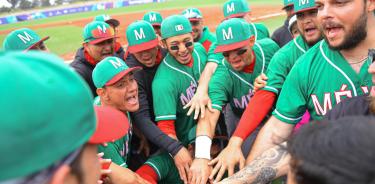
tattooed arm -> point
(271, 164)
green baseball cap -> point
(108, 19)
(235, 8)
(304, 5)
(232, 34)
(48, 120)
(22, 39)
(175, 25)
(141, 36)
(154, 18)
(110, 70)
(193, 14)
(288, 3)
(97, 31)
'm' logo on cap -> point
(139, 35)
(303, 2)
(227, 35)
(25, 38)
(152, 17)
(179, 27)
(102, 29)
(116, 63)
(230, 7)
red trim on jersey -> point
(190, 63)
(257, 109)
(117, 46)
(167, 127)
(148, 173)
(89, 58)
(207, 44)
(250, 68)
(159, 57)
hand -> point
(140, 180)
(198, 104)
(143, 146)
(105, 164)
(260, 82)
(228, 159)
(199, 171)
(183, 161)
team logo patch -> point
(179, 27)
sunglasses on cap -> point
(175, 47)
(239, 52)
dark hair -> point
(334, 152)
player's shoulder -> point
(313, 55)
(260, 26)
(267, 46)
(199, 48)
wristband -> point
(203, 147)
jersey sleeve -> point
(276, 72)
(110, 152)
(214, 57)
(165, 99)
(291, 104)
(220, 87)
(164, 166)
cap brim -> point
(102, 39)
(233, 46)
(307, 9)
(156, 24)
(41, 40)
(122, 74)
(287, 6)
(143, 46)
(195, 19)
(111, 124)
(113, 22)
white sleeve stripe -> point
(271, 88)
(166, 116)
(156, 169)
(287, 118)
(123, 164)
(218, 106)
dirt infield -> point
(212, 17)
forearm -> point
(207, 124)
(270, 165)
(273, 133)
(120, 175)
(205, 77)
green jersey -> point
(118, 151)
(173, 87)
(259, 30)
(207, 38)
(236, 87)
(282, 62)
(319, 80)
(163, 165)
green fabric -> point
(320, 79)
(192, 13)
(153, 17)
(20, 39)
(207, 36)
(288, 2)
(259, 30)
(228, 85)
(103, 17)
(46, 113)
(119, 150)
(300, 5)
(106, 69)
(212, 56)
(173, 87)
(140, 32)
(175, 25)
(96, 30)
(282, 62)
(235, 7)
(163, 165)
(232, 31)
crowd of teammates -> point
(180, 104)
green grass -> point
(274, 23)
(137, 8)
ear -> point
(102, 92)
(164, 44)
(252, 41)
(371, 6)
(60, 175)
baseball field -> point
(66, 31)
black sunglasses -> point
(239, 52)
(187, 44)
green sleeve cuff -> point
(217, 107)
(286, 119)
(271, 89)
(165, 117)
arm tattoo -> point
(262, 169)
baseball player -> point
(263, 100)
(65, 149)
(244, 60)
(24, 39)
(98, 38)
(117, 88)
(240, 9)
(201, 33)
(332, 70)
(155, 19)
(282, 35)
(114, 23)
(185, 61)
(146, 53)
(292, 27)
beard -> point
(312, 42)
(355, 36)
